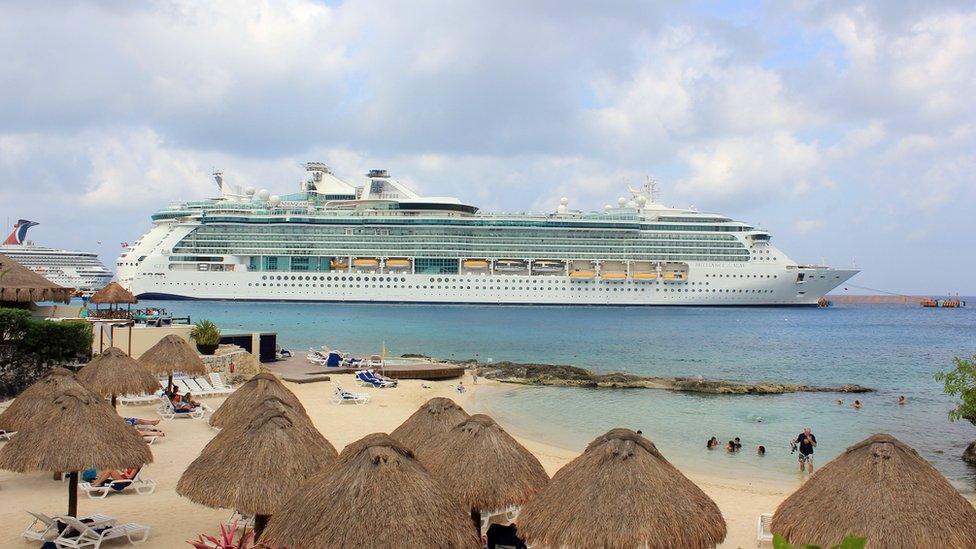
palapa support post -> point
(73, 494)
(113, 402)
(476, 518)
(260, 521)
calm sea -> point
(894, 349)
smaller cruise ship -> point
(82, 271)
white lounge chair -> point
(317, 356)
(166, 411)
(218, 384)
(763, 535)
(136, 400)
(7, 435)
(142, 486)
(243, 521)
(340, 395)
(205, 388)
(45, 528)
(92, 537)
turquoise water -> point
(894, 349)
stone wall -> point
(233, 363)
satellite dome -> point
(563, 201)
(263, 194)
(631, 204)
(249, 191)
(641, 200)
(621, 201)
(608, 207)
(274, 200)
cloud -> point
(807, 226)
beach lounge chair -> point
(166, 410)
(78, 534)
(368, 378)
(7, 435)
(316, 356)
(340, 396)
(142, 486)
(205, 388)
(45, 528)
(218, 384)
(243, 521)
(333, 360)
(136, 400)
(763, 535)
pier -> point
(299, 370)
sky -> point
(847, 129)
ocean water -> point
(894, 349)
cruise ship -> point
(82, 271)
(381, 242)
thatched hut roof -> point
(78, 430)
(239, 405)
(18, 284)
(173, 354)
(879, 488)
(115, 373)
(256, 466)
(484, 467)
(112, 293)
(32, 402)
(431, 421)
(376, 495)
(621, 492)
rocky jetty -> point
(573, 376)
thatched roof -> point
(256, 466)
(621, 492)
(879, 488)
(431, 421)
(484, 467)
(112, 293)
(115, 373)
(34, 400)
(239, 405)
(19, 284)
(173, 354)
(377, 495)
(78, 430)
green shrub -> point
(850, 542)
(13, 324)
(205, 332)
(29, 347)
(961, 382)
(59, 341)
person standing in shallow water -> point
(807, 442)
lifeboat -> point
(644, 276)
(675, 276)
(613, 275)
(365, 262)
(475, 264)
(338, 264)
(582, 275)
(548, 266)
(398, 262)
(510, 265)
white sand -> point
(174, 519)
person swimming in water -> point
(902, 401)
(761, 451)
(857, 405)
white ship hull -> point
(716, 285)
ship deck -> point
(298, 369)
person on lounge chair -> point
(188, 400)
(178, 403)
(145, 427)
(111, 476)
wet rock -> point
(969, 456)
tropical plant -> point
(228, 539)
(30, 347)
(205, 332)
(849, 542)
(961, 382)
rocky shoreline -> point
(560, 375)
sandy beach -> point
(174, 519)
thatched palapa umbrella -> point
(430, 422)
(173, 354)
(113, 294)
(621, 492)
(18, 284)
(78, 430)
(255, 466)
(33, 402)
(376, 495)
(879, 488)
(239, 405)
(485, 467)
(113, 373)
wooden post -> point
(476, 518)
(260, 521)
(73, 494)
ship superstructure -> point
(381, 242)
(82, 271)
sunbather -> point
(188, 400)
(133, 421)
(113, 475)
(178, 403)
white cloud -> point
(807, 226)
